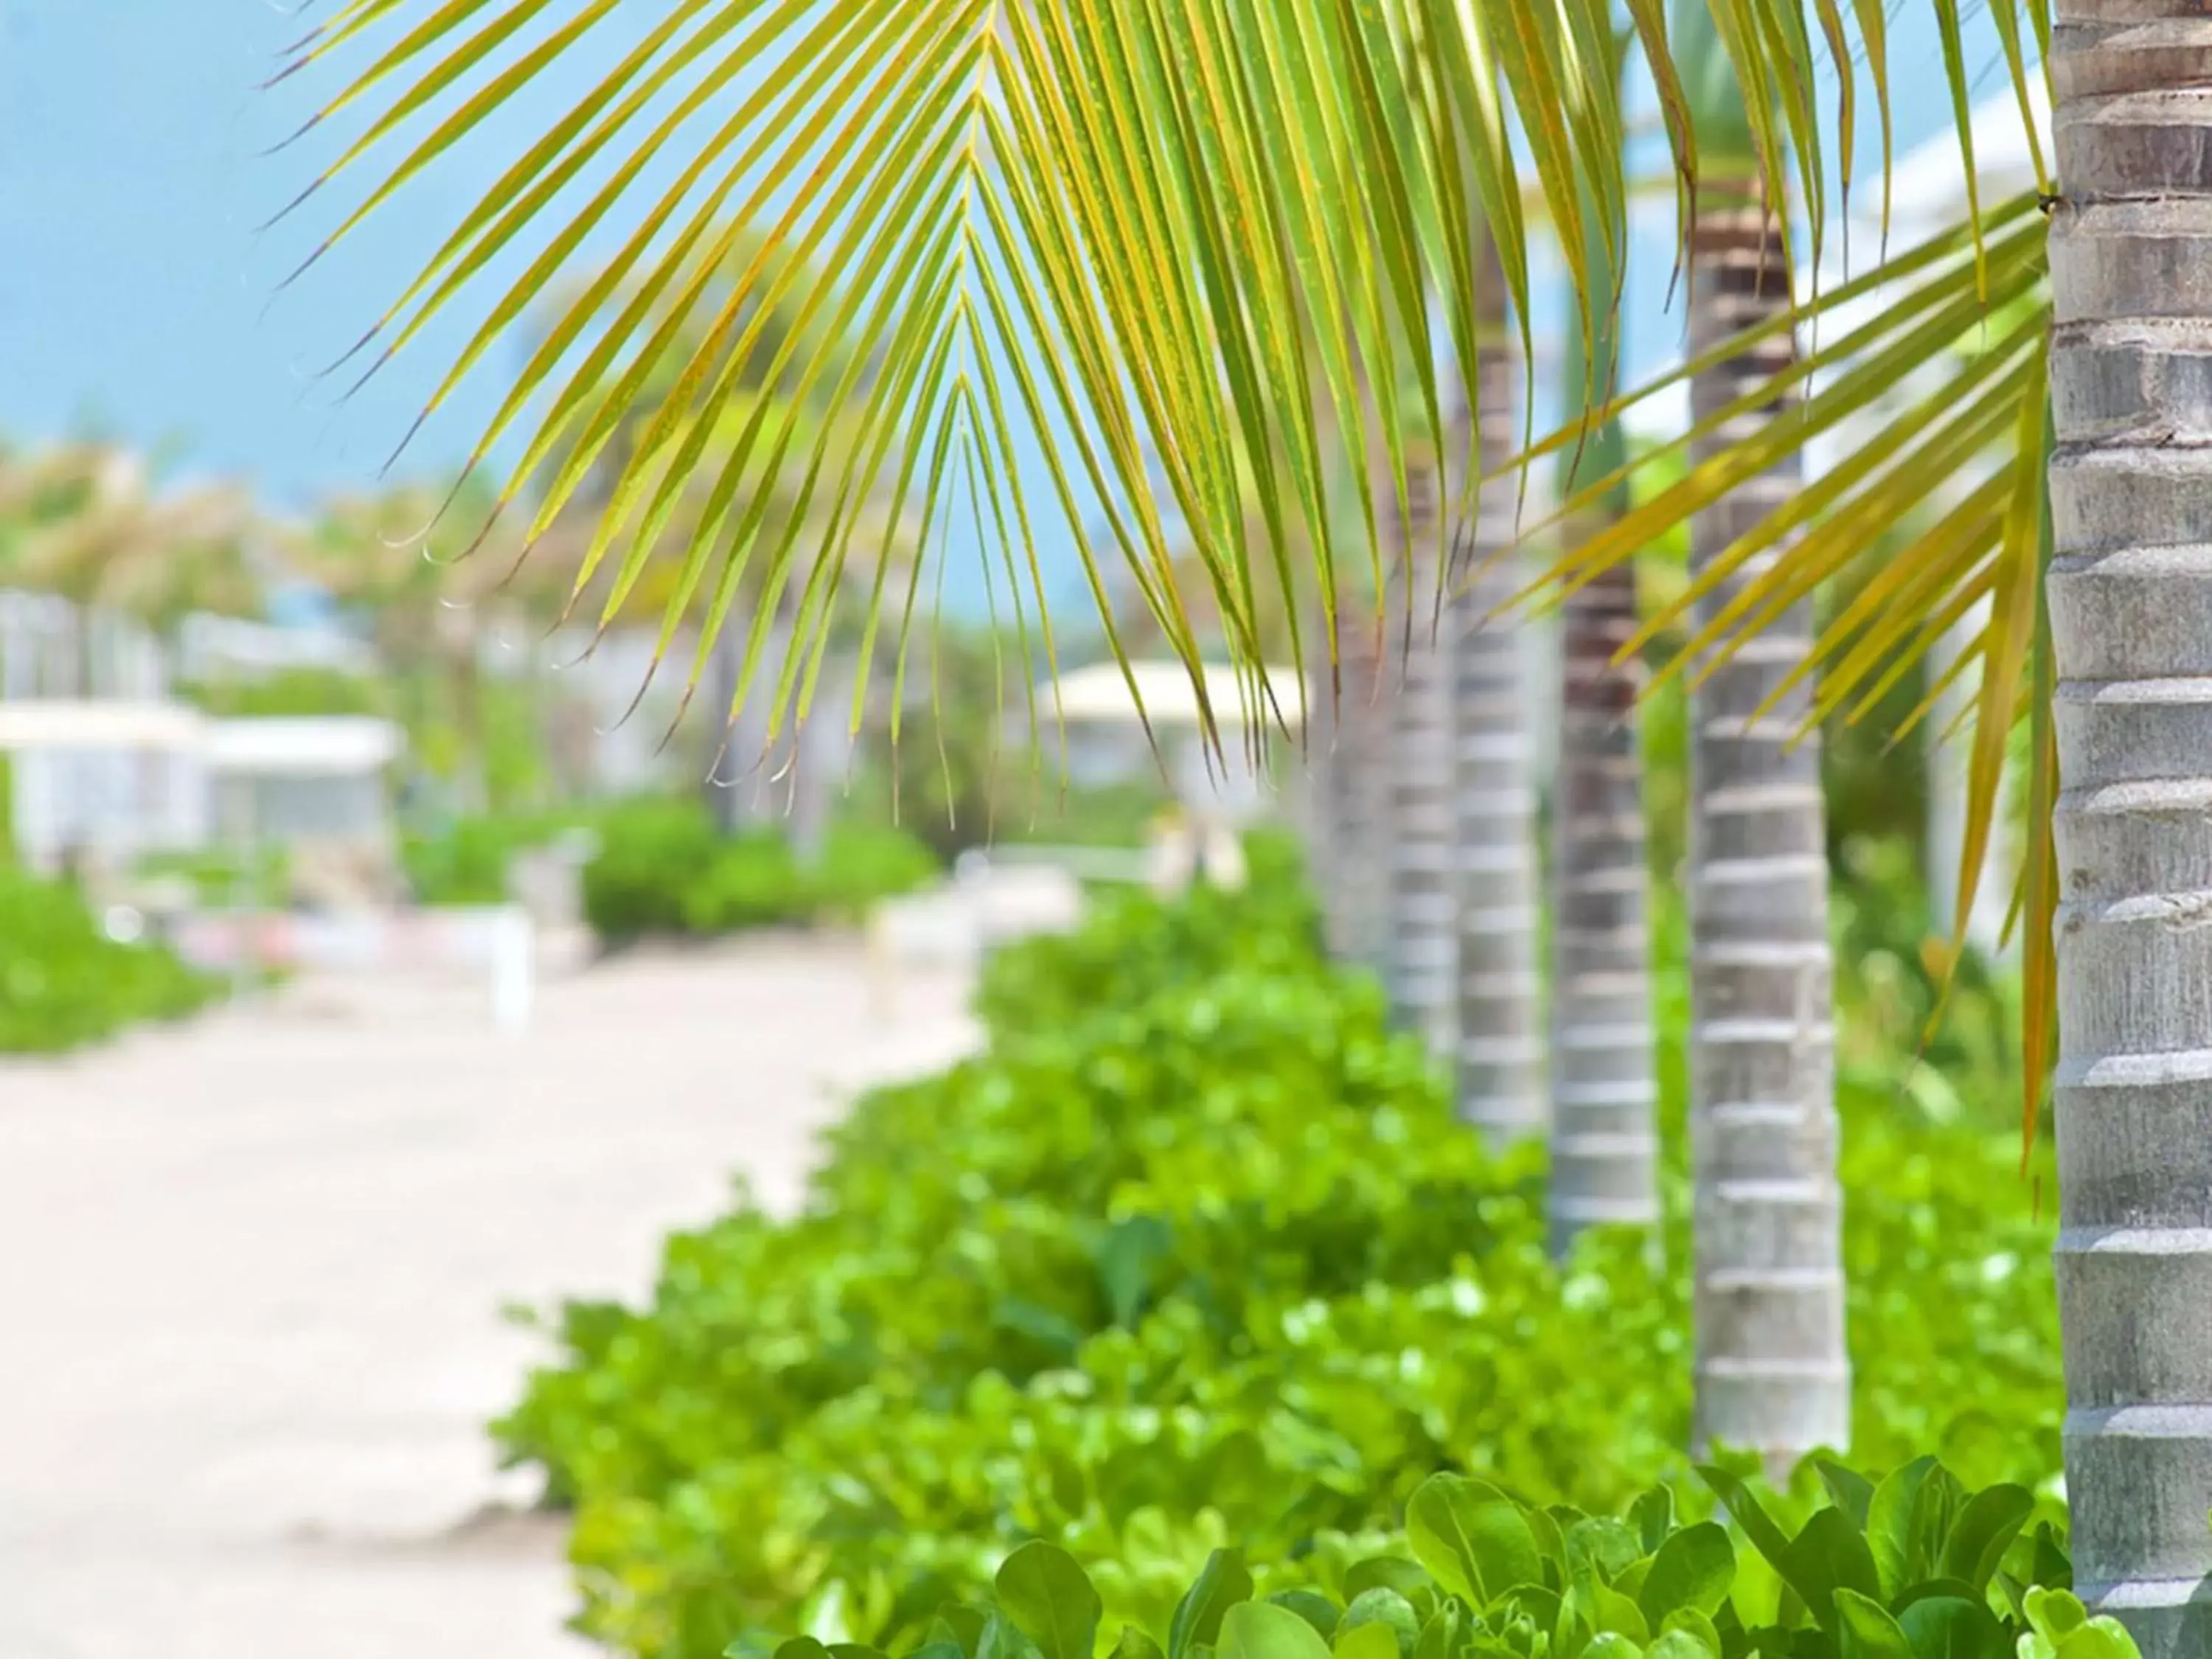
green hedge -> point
(467, 861)
(64, 983)
(662, 867)
(1911, 1566)
(1194, 1255)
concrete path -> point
(250, 1274)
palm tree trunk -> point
(1324, 818)
(1604, 1088)
(1423, 943)
(1360, 831)
(2130, 592)
(1500, 1076)
(1772, 1372)
(1604, 1085)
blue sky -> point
(138, 299)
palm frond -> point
(1171, 243)
(1929, 396)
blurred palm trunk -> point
(1772, 1372)
(1360, 831)
(1604, 1082)
(1499, 1086)
(1424, 942)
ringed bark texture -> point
(1772, 1374)
(2129, 590)
(1324, 818)
(1500, 1085)
(1604, 1150)
(1360, 831)
(1423, 943)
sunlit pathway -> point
(250, 1275)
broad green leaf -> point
(1259, 1630)
(1889, 1529)
(1652, 1514)
(1316, 1609)
(962, 1627)
(1695, 1626)
(1983, 1532)
(1440, 1635)
(1222, 1584)
(1369, 1641)
(1048, 1595)
(1608, 1545)
(1746, 1513)
(1867, 1632)
(1692, 1570)
(1379, 1606)
(1133, 1246)
(1473, 1538)
(1616, 1614)
(1852, 1491)
(1134, 1644)
(1548, 1527)
(1409, 1579)
(1827, 1556)
(1952, 1627)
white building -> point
(118, 780)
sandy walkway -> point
(250, 1274)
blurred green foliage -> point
(468, 860)
(662, 867)
(1194, 1255)
(289, 692)
(64, 983)
(225, 877)
(1907, 1564)
(964, 768)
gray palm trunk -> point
(1423, 908)
(1358, 829)
(1604, 1084)
(1320, 820)
(1772, 1372)
(1500, 1084)
(2130, 592)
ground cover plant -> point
(1193, 1255)
(64, 983)
(663, 868)
(1911, 1565)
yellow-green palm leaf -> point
(1136, 235)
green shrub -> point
(64, 983)
(1197, 1236)
(1911, 1566)
(289, 692)
(862, 864)
(1132, 946)
(651, 856)
(227, 877)
(468, 860)
(662, 867)
(749, 880)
